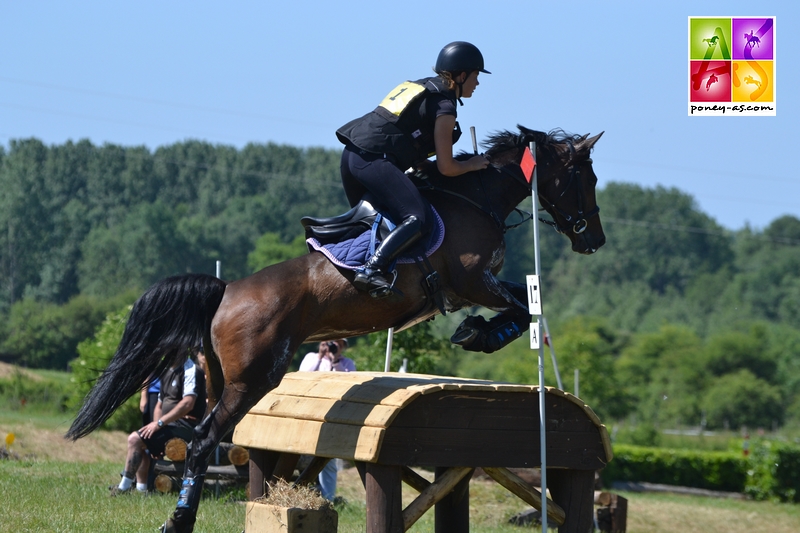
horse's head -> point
(566, 182)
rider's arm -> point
(443, 139)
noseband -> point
(577, 224)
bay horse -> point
(252, 327)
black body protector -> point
(402, 129)
(401, 126)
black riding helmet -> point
(460, 56)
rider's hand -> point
(478, 162)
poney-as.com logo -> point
(732, 66)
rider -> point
(415, 121)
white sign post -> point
(535, 308)
(388, 361)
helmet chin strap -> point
(460, 92)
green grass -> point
(51, 496)
(54, 496)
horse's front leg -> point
(476, 334)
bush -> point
(774, 472)
(723, 471)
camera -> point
(332, 347)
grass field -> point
(52, 485)
(57, 496)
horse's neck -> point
(492, 189)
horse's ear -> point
(528, 135)
(589, 143)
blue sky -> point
(155, 73)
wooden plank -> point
(378, 387)
(309, 475)
(284, 467)
(573, 490)
(213, 472)
(309, 437)
(490, 411)
(384, 499)
(452, 447)
(451, 513)
(375, 393)
(326, 410)
(262, 465)
(414, 480)
(516, 485)
(432, 494)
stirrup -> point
(382, 290)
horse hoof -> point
(464, 336)
(168, 527)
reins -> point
(577, 224)
(525, 216)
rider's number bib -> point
(397, 100)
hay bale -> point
(290, 509)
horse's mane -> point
(503, 147)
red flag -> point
(527, 164)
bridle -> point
(577, 224)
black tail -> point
(171, 316)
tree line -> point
(671, 297)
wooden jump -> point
(387, 423)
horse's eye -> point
(589, 160)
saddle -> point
(349, 239)
(349, 225)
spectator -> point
(148, 401)
(181, 405)
(329, 358)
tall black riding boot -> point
(373, 276)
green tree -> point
(46, 335)
(424, 351)
(143, 248)
(731, 351)
(662, 377)
(271, 250)
(742, 399)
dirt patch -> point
(8, 371)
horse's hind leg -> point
(241, 393)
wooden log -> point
(237, 455)
(261, 467)
(524, 491)
(310, 473)
(213, 472)
(612, 516)
(433, 494)
(574, 490)
(451, 513)
(414, 480)
(175, 449)
(229, 454)
(602, 498)
(166, 484)
(384, 490)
